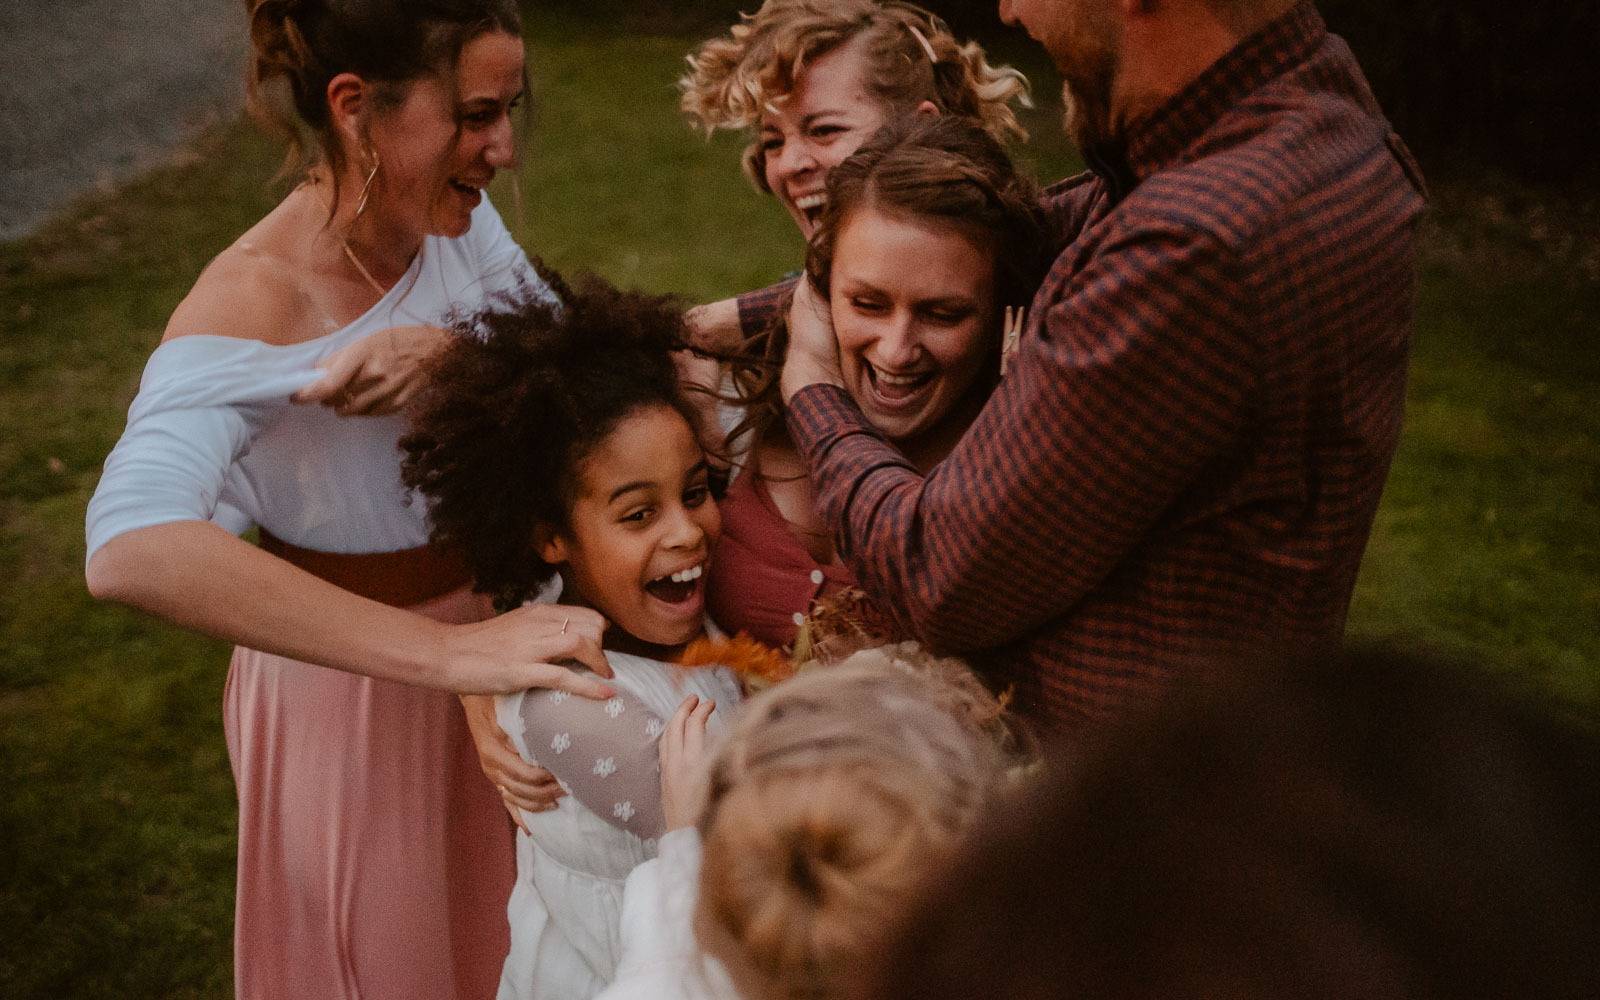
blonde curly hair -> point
(831, 797)
(912, 56)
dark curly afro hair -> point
(527, 389)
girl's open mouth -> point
(676, 588)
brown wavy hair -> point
(299, 46)
(938, 169)
(830, 795)
(527, 388)
(733, 77)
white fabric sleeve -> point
(200, 402)
(502, 265)
(605, 753)
(660, 958)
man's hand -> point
(813, 352)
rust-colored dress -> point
(764, 581)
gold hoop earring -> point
(366, 187)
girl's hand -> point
(813, 355)
(376, 374)
(683, 762)
(522, 785)
(530, 646)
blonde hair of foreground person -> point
(912, 57)
(830, 798)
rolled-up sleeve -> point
(200, 403)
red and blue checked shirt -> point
(1186, 456)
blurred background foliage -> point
(1512, 86)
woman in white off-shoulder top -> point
(374, 858)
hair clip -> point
(1011, 335)
(926, 46)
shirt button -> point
(799, 619)
(816, 576)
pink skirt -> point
(375, 859)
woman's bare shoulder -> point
(256, 289)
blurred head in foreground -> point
(1375, 827)
(831, 795)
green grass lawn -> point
(117, 819)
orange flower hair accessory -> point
(757, 665)
(838, 625)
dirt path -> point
(93, 92)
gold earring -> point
(366, 188)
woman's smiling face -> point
(827, 116)
(913, 308)
(641, 529)
(446, 140)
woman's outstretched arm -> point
(198, 576)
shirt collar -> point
(1159, 138)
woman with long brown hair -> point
(374, 860)
(921, 344)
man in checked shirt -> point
(1184, 460)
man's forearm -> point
(870, 494)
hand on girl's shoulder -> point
(249, 294)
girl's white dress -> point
(566, 909)
(660, 957)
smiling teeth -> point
(685, 576)
(889, 379)
(811, 201)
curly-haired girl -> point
(551, 442)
